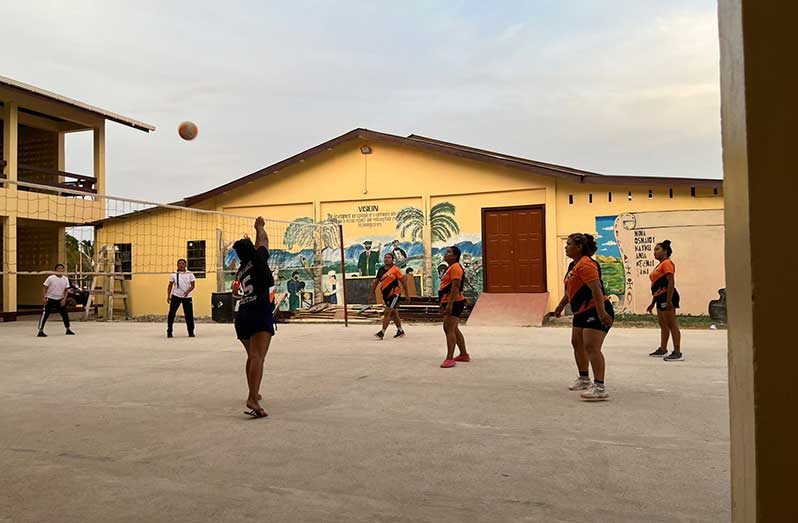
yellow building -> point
(32, 146)
(510, 216)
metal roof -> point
(118, 118)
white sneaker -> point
(580, 384)
(595, 393)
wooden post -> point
(343, 273)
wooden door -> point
(513, 255)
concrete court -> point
(121, 424)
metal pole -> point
(343, 273)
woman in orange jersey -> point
(593, 315)
(391, 283)
(665, 298)
(450, 293)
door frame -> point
(540, 206)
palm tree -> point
(443, 225)
(305, 232)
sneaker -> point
(674, 356)
(399, 334)
(169, 335)
(41, 334)
(580, 384)
(595, 393)
(69, 333)
(191, 335)
(448, 364)
(380, 335)
(659, 352)
(463, 357)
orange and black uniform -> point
(388, 281)
(580, 273)
(659, 284)
(454, 272)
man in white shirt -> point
(54, 296)
(181, 285)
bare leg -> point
(386, 318)
(450, 328)
(664, 329)
(396, 320)
(673, 326)
(258, 347)
(580, 354)
(460, 338)
(245, 343)
(593, 340)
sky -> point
(610, 86)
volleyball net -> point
(138, 240)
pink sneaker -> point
(448, 364)
(465, 358)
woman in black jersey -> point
(255, 322)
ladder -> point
(108, 284)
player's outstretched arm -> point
(261, 236)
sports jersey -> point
(255, 279)
(388, 281)
(580, 273)
(659, 279)
(454, 272)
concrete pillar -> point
(99, 158)
(10, 145)
(428, 268)
(759, 86)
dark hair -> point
(245, 249)
(408, 270)
(586, 241)
(295, 273)
(390, 254)
(456, 251)
(57, 265)
(666, 246)
(182, 260)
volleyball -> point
(187, 130)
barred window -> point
(123, 259)
(195, 257)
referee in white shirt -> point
(55, 292)
(181, 285)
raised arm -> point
(261, 238)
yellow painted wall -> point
(341, 183)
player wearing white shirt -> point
(54, 296)
(181, 285)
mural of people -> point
(410, 282)
(399, 254)
(295, 288)
(368, 260)
(331, 288)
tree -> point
(305, 232)
(443, 225)
(79, 253)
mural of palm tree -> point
(299, 235)
(443, 225)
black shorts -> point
(457, 308)
(589, 319)
(662, 299)
(392, 302)
(253, 319)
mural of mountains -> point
(475, 249)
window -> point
(670, 193)
(629, 196)
(195, 256)
(609, 196)
(123, 259)
(692, 191)
(715, 191)
(571, 199)
(590, 198)
(650, 194)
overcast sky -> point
(612, 86)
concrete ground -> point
(121, 424)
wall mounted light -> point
(365, 149)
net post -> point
(219, 261)
(343, 273)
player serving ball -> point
(255, 321)
(390, 281)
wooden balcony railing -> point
(54, 178)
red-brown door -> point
(514, 249)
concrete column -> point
(99, 158)
(10, 145)
(61, 154)
(759, 86)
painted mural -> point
(626, 255)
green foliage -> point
(79, 253)
(443, 225)
(612, 274)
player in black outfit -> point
(255, 321)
